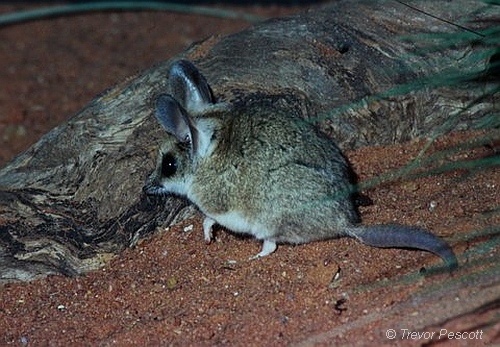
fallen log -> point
(368, 72)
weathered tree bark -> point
(75, 197)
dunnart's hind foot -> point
(268, 247)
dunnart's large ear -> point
(174, 119)
(188, 86)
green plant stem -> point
(54, 11)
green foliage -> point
(95, 6)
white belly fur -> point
(236, 222)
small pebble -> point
(171, 282)
(336, 279)
(432, 205)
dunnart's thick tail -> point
(401, 236)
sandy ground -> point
(173, 289)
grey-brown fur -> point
(261, 171)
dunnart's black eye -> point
(168, 165)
